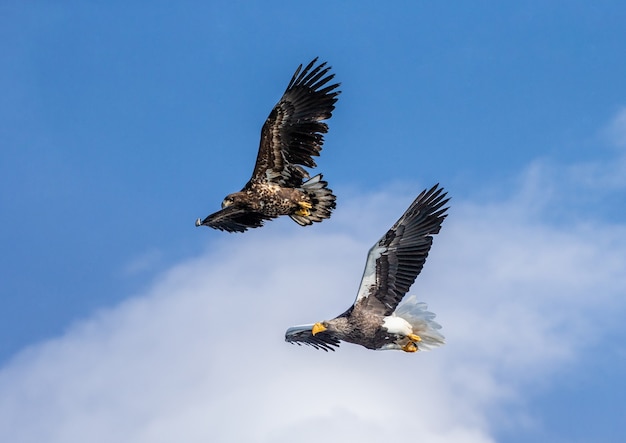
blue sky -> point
(121, 124)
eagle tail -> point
(322, 201)
(422, 321)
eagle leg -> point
(409, 347)
(304, 209)
(414, 338)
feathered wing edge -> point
(395, 261)
(293, 132)
(233, 219)
(301, 334)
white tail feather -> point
(422, 321)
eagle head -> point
(229, 200)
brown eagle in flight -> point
(378, 319)
(291, 136)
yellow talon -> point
(303, 212)
(304, 209)
(409, 347)
(414, 338)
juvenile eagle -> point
(291, 136)
(377, 319)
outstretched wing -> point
(233, 219)
(398, 257)
(302, 335)
(293, 132)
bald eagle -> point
(290, 137)
(378, 319)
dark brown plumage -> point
(378, 319)
(291, 136)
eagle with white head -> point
(379, 317)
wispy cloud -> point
(615, 131)
(143, 262)
(609, 172)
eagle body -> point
(291, 136)
(381, 316)
(364, 329)
(378, 332)
(259, 201)
(268, 199)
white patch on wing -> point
(312, 181)
(397, 325)
(369, 274)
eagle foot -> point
(414, 338)
(409, 347)
(304, 209)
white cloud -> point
(201, 357)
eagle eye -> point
(227, 202)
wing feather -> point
(234, 219)
(395, 261)
(293, 133)
(302, 335)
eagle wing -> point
(293, 132)
(302, 335)
(233, 219)
(398, 257)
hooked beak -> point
(317, 328)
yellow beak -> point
(318, 327)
